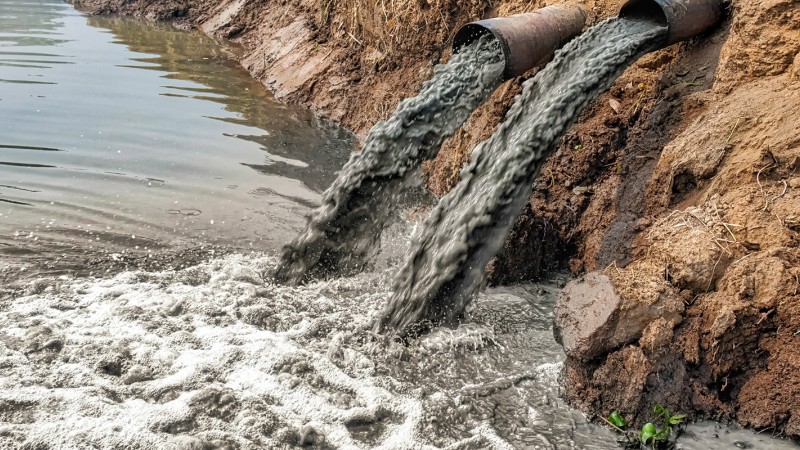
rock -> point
(593, 317)
(582, 310)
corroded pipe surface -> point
(684, 18)
(527, 39)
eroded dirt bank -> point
(681, 186)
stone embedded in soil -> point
(593, 316)
(583, 309)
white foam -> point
(207, 356)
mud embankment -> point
(681, 185)
(703, 310)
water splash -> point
(447, 262)
(212, 357)
(344, 230)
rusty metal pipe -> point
(684, 18)
(528, 39)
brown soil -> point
(688, 192)
(716, 227)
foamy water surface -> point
(214, 355)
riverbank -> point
(680, 185)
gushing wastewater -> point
(446, 264)
(344, 230)
(216, 356)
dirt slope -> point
(685, 194)
(722, 252)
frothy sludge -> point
(212, 357)
(447, 262)
(344, 231)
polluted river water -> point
(216, 355)
(115, 134)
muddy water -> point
(117, 136)
(345, 230)
(216, 356)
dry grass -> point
(391, 26)
(708, 218)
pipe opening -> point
(526, 40)
(471, 32)
(644, 10)
(468, 34)
(684, 19)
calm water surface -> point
(116, 134)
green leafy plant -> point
(653, 435)
(617, 420)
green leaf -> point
(648, 432)
(677, 419)
(617, 419)
(660, 410)
(664, 433)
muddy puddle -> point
(136, 142)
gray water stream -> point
(447, 261)
(345, 230)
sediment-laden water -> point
(217, 356)
(447, 261)
(345, 229)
